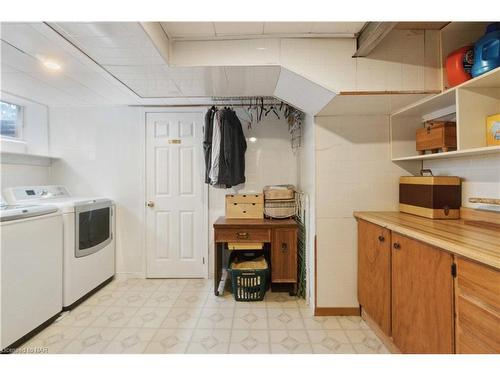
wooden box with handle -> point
(434, 197)
(437, 136)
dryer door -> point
(93, 227)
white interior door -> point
(176, 216)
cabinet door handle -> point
(396, 245)
(284, 246)
(381, 238)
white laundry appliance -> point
(31, 263)
(89, 241)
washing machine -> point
(31, 263)
(89, 241)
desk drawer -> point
(243, 235)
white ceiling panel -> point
(101, 29)
(215, 30)
(287, 27)
(184, 29)
(336, 27)
(251, 80)
(239, 28)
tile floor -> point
(183, 316)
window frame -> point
(19, 122)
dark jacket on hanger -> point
(207, 141)
(232, 151)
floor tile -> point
(148, 317)
(250, 318)
(321, 322)
(162, 299)
(365, 342)
(352, 322)
(131, 315)
(169, 341)
(215, 318)
(115, 317)
(214, 341)
(81, 316)
(181, 318)
(330, 341)
(290, 342)
(191, 299)
(133, 298)
(130, 341)
(249, 342)
(91, 340)
(284, 319)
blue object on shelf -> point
(487, 51)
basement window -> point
(11, 120)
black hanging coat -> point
(232, 151)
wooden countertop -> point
(470, 241)
(222, 222)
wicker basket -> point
(280, 192)
(280, 208)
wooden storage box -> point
(245, 206)
(436, 136)
(434, 197)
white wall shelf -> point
(26, 159)
(469, 104)
(453, 154)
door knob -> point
(381, 238)
(396, 245)
(150, 204)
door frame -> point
(205, 250)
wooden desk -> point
(281, 234)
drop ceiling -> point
(218, 30)
(117, 63)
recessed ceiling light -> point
(252, 139)
(49, 63)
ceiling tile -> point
(184, 29)
(96, 29)
(287, 27)
(239, 28)
(336, 27)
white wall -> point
(354, 172)
(102, 154)
(480, 176)
(268, 161)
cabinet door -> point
(422, 297)
(284, 256)
(374, 273)
(477, 303)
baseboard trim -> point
(337, 311)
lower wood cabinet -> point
(422, 297)
(284, 256)
(477, 302)
(374, 273)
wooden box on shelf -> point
(245, 206)
(436, 136)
